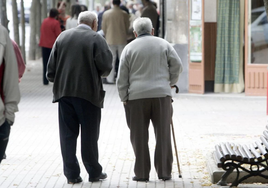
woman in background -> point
(72, 21)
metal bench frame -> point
(252, 159)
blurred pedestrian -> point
(83, 8)
(98, 8)
(72, 21)
(115, 24)
(148, 67)
(9, 88)
(107, 6)
(78, 89)
(62, 17)
(50, 29)
(130, 6)
(150, 11)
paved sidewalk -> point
(200, 121)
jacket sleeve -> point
(103, 58)
(175, 66)
(11, 83)
(51, 65)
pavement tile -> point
(200, 122)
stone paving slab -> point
(200, 121)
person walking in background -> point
(50, 29)
(79, 92)
(9, 88)
(72, 21)
(115, 24)
(148, 67)
(62, 17)
(107, 6)
(150, 11)
(83, 8)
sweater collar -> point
(84, 26)
(143, 35)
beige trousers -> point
(138, 114)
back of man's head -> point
(53, 13)
(142, 25)
(87, 17)
(117, 2)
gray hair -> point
(87, 17)
(142, 25)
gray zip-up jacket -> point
(11, 91)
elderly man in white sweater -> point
(149, 66)
(9, 88)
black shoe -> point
(140, 179)
(74, 181)
(165, 178)
(102, 176)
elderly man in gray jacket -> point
(78, 60)
(9, 88)
(148, 67)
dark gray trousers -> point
(138, 114)
(74, 114)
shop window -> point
(258, 34)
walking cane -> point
(174, 139)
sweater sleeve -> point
(123, 78)
(175, 66)
(10, 85)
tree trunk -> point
(15, 22)
(38, 26)
(266, 6)
(54, 3)
(44, 9)
(22, 21)
(32, 48)
(3, 13)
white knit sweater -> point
(148, 67)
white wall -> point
(210, 11)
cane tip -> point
(180, 176)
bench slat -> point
(265, 134)
(219, 154)
(264, 142)
(255, 152)
(237, 153)
(248, 153)
(244, 155)
(262, 148)
(230, 150)
(224, 151)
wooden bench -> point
(251, 158)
